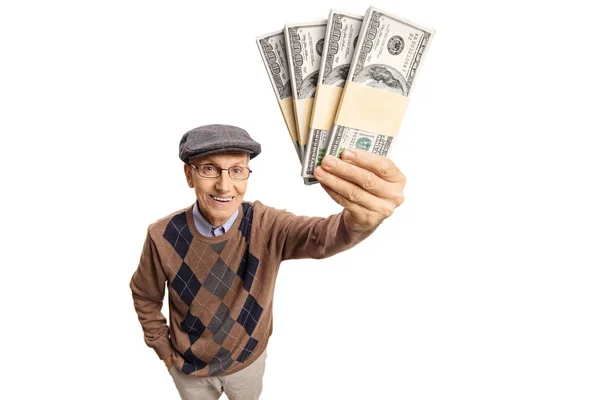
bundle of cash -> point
(340, 40)
(347, 83)
(273, 53)
(381, 78)
(304, 45)
(272, 49)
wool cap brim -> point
(212, 139)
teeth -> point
(222, 198)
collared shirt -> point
(206, 228)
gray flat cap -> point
(211, 139)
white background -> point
(483, 285)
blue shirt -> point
(206, 228)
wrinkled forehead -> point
(226, 158)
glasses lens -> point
(239, 173)
(208, 170)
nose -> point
(224, 182)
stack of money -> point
(340, 41)
(347, 83)
(272, 47)
(272, 50)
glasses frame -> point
(221, 172)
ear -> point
(188, 175)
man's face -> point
(229, 192)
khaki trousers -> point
(242, 385)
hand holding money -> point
(369, 186)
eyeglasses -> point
(236, 173)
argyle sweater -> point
(221, 288)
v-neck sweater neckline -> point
(214, 239)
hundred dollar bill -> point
(389, 53)
(272, 51)
(340, 41)
(304, 45)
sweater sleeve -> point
(148, 290)
(293, 236)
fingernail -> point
(349, 154)
(319, 173)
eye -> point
(237, 170)
(208, 169)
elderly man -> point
(220, 258)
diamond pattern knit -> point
(221, 288)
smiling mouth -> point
(221, 199)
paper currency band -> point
(303, 109)
(327, 99)
(371, 110)
(287, 109)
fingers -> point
(363, 178)
(358, 218)
(344, 202)
(349, 194)
(368, 177)
(380, 165)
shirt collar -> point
(205, 227)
